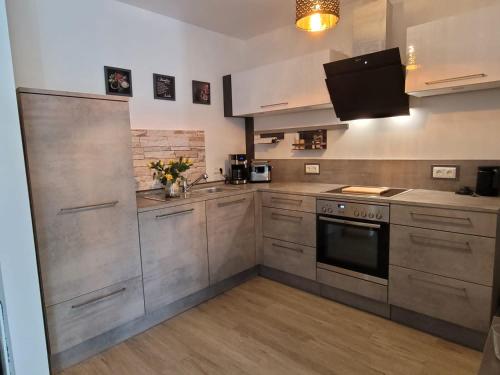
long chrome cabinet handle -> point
(94, 300)
(273, 105)
(453, 79)
(414, 214)
(349, 222)
(288, 248)
(464, 246)
(297, 201)
(457, 288)
(276, 216)
(225, 204)
(87, 207)
(164, 216)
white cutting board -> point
(368, 190)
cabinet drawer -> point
(292, 258)
(460, 256)
(290, 226)
(289, 202)
(75, 321)
(174, 253)
(480, 224)
(458, 302)
(353, 285)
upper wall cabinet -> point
(295, 84)
(454, 54)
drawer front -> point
(291, 226)
(477, 223)
(353, 285)
(289, 202)
(292, 258)
(174, 253)
(231, 236)
(458, 302)
(460, 256)
(73, 322)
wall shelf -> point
(343, 126)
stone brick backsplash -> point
(153, 145)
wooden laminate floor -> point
(263, 327)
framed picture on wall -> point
(164, 87)
(201, 92)
(118, 81)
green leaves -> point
(169, 173)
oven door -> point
(359, 246)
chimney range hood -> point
(368, 86)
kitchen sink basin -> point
(162, 197)
(214, 189)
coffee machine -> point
(488, 181)
(238, 169)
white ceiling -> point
(242, 19)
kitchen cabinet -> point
(455, 54)
(291, 226)
(292, 258)
(174, 253)
(289, 202)
(231, 236)
(294, 84)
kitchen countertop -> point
(431, 198)
(490, 365)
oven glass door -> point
(359, 246)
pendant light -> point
(317, 15)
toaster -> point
(260, 171)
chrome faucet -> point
(186, 187)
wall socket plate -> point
(311, 168)
(445, 172)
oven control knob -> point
(330, 210)
(324, 209)
(356, 213)
(363, 213)
(371, 215)
(379, 215)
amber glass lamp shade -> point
(317, 15)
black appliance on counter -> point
(238, 169)
(488, 181)
(368, 86)
(353, 239)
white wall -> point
(460, 126)
(64, 45)
(17, 251)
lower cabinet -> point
(75, 321)
(296, 259)
(174, 253)
(231, 236)
(459, 302)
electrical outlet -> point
(311, 168)
(444, 172)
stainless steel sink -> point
(162, 197)
(214, 189)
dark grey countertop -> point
(490, 365)
(418, 197)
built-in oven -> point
(353, 239)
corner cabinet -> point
(294, 84)
(454, 54)
(231, 236)
(79, 158)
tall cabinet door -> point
(231, 236)
(174, 253)
(79, 158)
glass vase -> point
(172, 189)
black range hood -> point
(368, 86)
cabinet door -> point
(83, 193)
(231, 236)
(174, 253)
(455, 53)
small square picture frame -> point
(118, 81)
(202, 93)
(163, 87)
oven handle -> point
(349, 222)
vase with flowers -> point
(170, 174)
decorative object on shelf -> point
(201, 92)
(268, 138)
(317, 15)
(411, 58)
(164, 87)
(310, 140)
(169, 174)
(118, 81)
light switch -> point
(444, 172)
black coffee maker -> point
(488, 181)
(238, 173)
